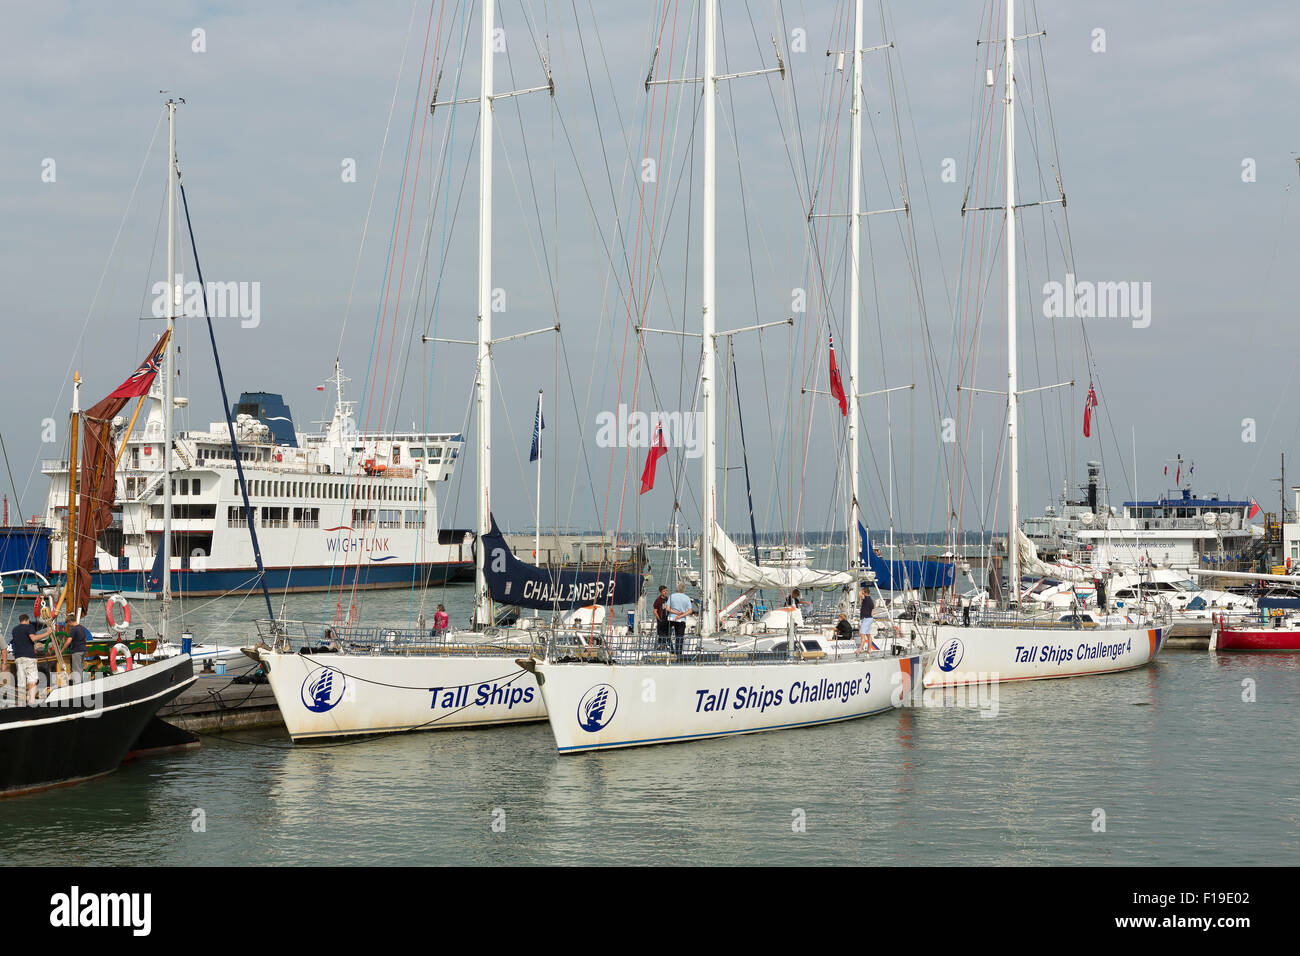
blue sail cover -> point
(1273, 603)
(511, 581)
(900, 575)
(154, 581)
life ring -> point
(112, 657)
(118, 600)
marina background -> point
(1201, 778)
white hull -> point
(971, 655)
(671, 703)
(392, 693)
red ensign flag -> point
(142, 378)
(657, 451)
(1088, 406)
(837, 387)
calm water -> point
(1185, 770)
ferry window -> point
(415, 452)
(195, 485)
(415, 519)
(397, 454)
(390, 519)
(435, 453)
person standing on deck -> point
(679, 608)
(867, 610)
(25, 636)
(75, 646)
(661, 614)
(441, 621)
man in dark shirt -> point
(75, 646)
(867, 610)
(661, 612)
(25, 636)
(844, 630)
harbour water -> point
(1191, 761)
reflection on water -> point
(1186, 766)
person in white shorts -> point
(866, 611)
(25, 636)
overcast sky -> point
(1154, 135)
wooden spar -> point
(74, 424)
(126, 435)
(71, 550)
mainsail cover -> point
(739, 571)
(98, 457)
(515, 582)
(896, 575)
(1031, 564)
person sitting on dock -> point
(25, 636)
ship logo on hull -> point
(950, 655)
(596, 709)
(323, 689)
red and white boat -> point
(1260, 633)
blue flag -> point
(538, 424)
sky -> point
(1176, 143)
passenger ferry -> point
(1178, 529)
(335, 508)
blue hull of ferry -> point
(289, 580)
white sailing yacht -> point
(345, 679)
(1018, 643)
(633, 690)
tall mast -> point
(855, 164)
(709, 611)
(1009, 119)
(483, 391)
(74, 431)
(168, 390)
